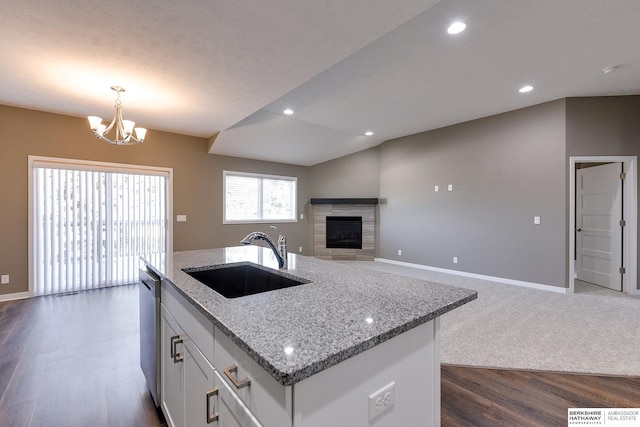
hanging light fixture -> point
(123, 128)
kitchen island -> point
(351, 347)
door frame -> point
(629, 211)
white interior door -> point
(599, 232)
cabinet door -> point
(199, 381)
(208, 399)
(172, 370)
(231, 410)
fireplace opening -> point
(344, 232)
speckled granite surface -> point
(342, 312)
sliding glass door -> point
(91, 223)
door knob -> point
(579, 230)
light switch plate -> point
(435, 188)
(450, 187)
(4, 279)
(536, 220)
(181, 218)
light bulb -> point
(456, 28)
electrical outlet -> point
(435, 188)
(181, 218)
(399, 252)
(455, 259)
(4, 279)
(382, 400)
(300, 249)
(301, 216)
(536, 220)
(450, 187)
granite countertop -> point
(344, 311)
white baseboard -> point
(524, 284)
(11, 297)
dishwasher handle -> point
(150, 281)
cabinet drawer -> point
(231, 411)
(269, 400)
(192, 322)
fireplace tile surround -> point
(347, 208)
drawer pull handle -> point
(214, 417)
(175, 340)
(230, 373)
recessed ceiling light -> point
(525, 89)
(368, 133)
(288, 111)
(456, 27)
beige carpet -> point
(594, 330)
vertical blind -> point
(91, 227)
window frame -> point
(259, 176)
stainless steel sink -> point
(239, 280)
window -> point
(252, 197)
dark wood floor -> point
(477, 397)
(73, 361)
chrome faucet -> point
(280, 252)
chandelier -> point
(123, 129)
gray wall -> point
(355, 175)
(603, 126)
(505, 170)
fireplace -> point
(344, 232)
(344, 229)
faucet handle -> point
(281, 238)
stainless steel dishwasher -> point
(150, 331)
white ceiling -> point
(227, 68)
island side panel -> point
(340, 394)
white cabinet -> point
(232, 412)
(193, 393)
(200, 388)
(205, 402)
(172, 370)
(339, 395)
(208, 380)
(269, 400)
